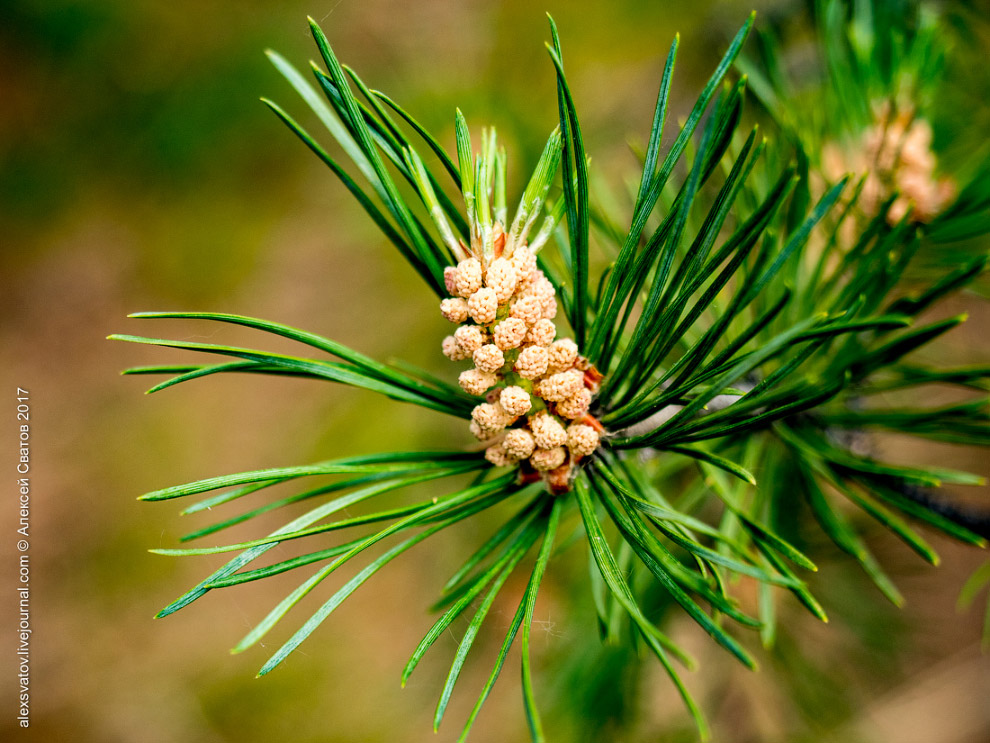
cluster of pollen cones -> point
(896, 152)
(537, 389)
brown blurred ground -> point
(139, 172)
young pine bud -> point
(519, 443)
(469, 339)
(582, 440)
(480, 433)
(548, 432)
(524, 262)
(544, 460)
(510, 333)
(450, 279)
(468, 277)
(489, 358)
(490, 418)
(515, 401)
(563, 354)
(497, 455)
(532, 362)
(529, 309)
(483, 306)
(454, 310)
(542, 333)
(476, 382)
(560, 386)
(451, 350)
(502, 277)
(576, 405)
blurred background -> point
(138, 171)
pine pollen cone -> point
(534, 390)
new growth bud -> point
(532, 384)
